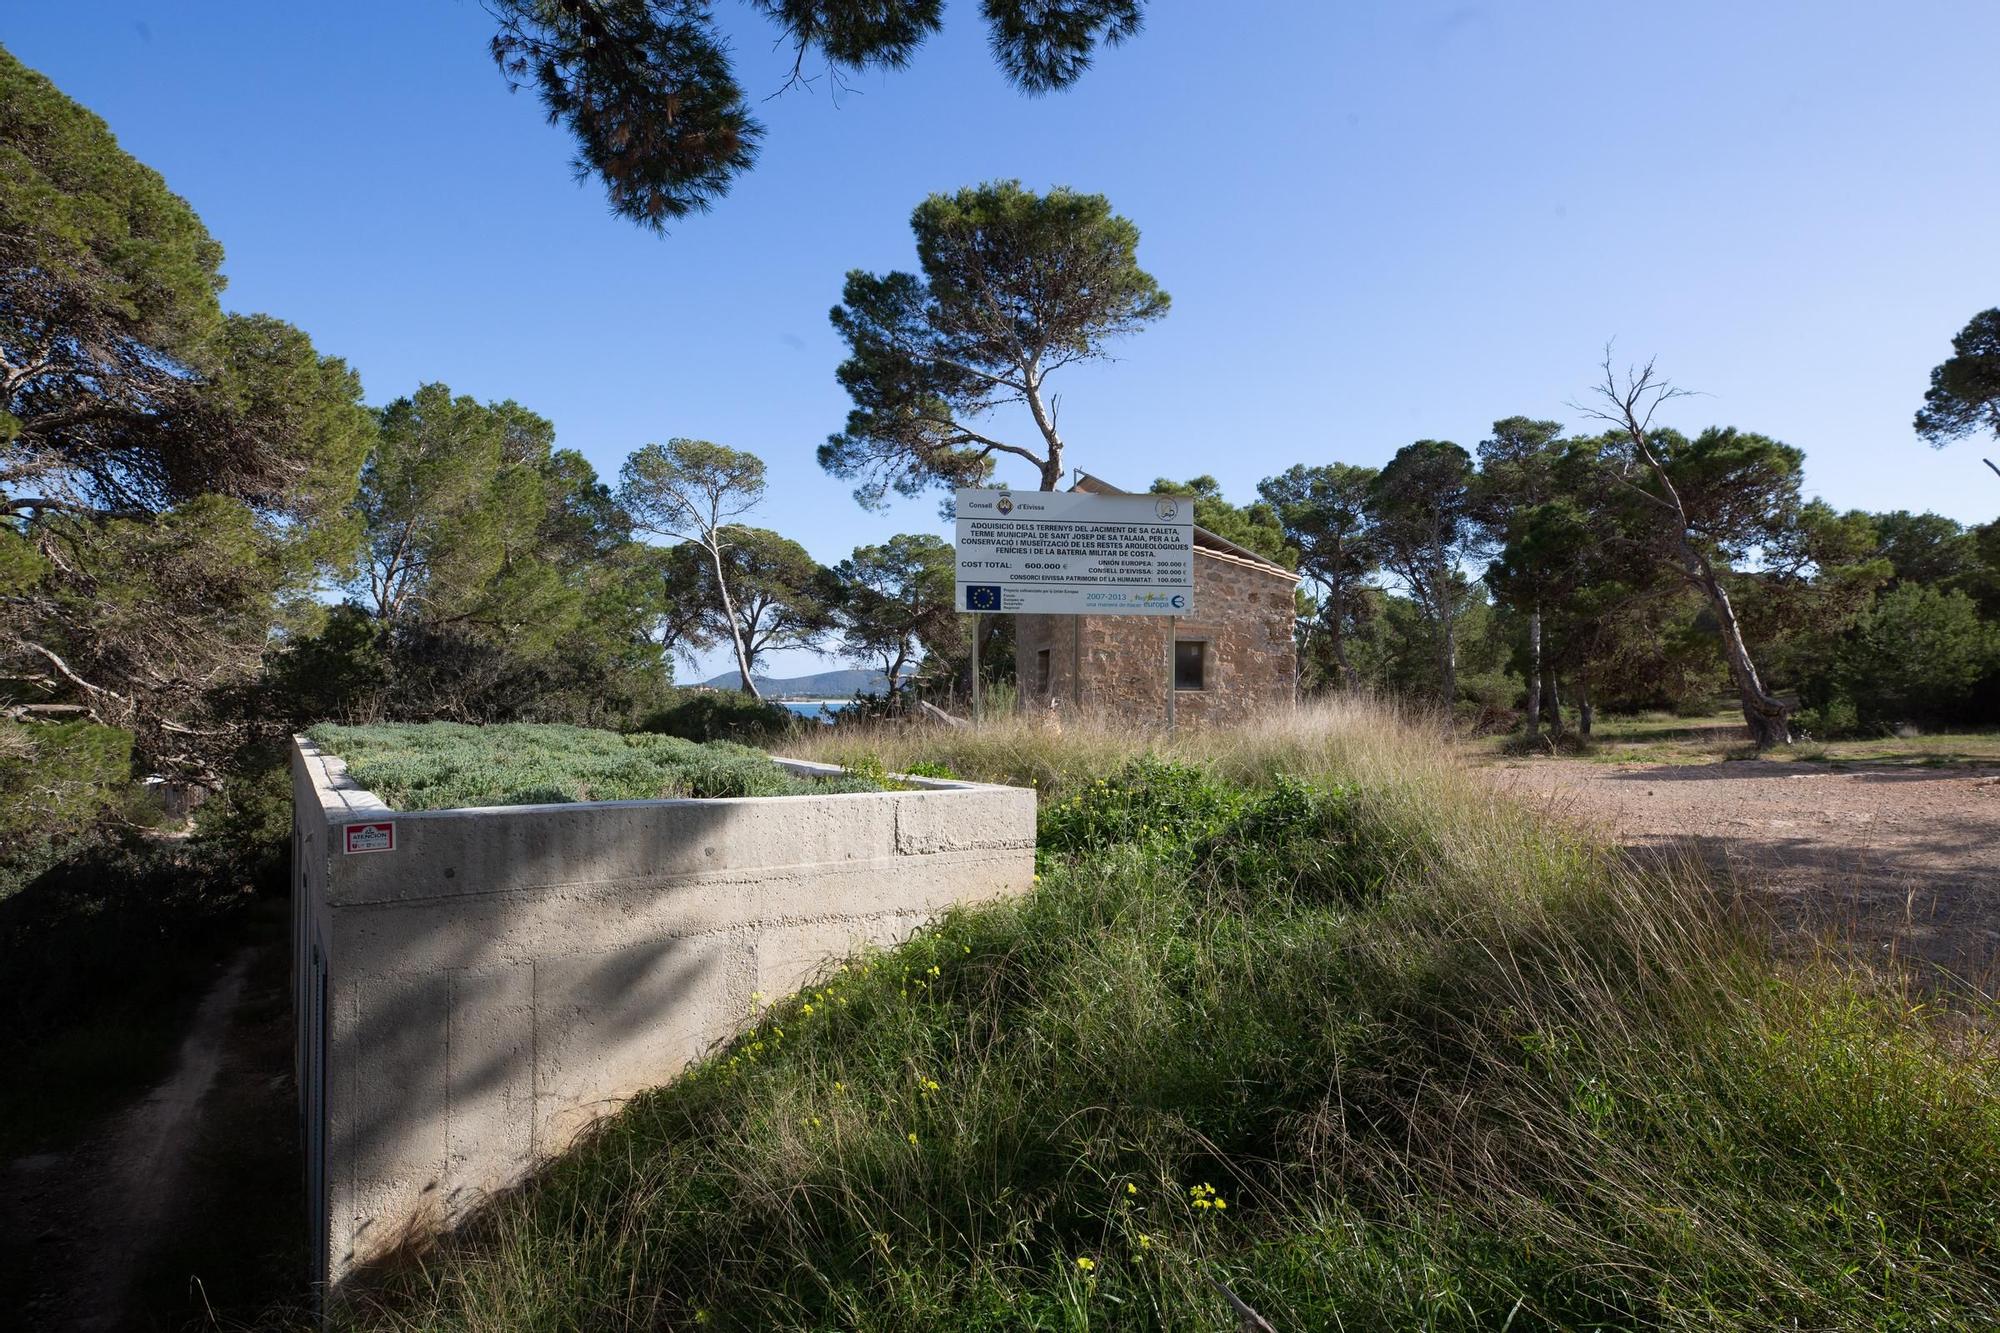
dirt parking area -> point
(1894, 861)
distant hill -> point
(821, 685)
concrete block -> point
(472, 999)
(611, 1024)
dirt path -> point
(1896, 861)
(105, 1205)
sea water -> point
(820, 710)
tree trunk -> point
(1446, 606)
(1535, 670)
(749, 686)
(1584, 712)
(1762, 713)
(1552, 703)
(1448, 663)
(1337, 606)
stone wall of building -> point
(1243, 617)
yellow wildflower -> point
(1085, 1263)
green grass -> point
(1305, 1011)
(446, 765)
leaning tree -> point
(1703, 505)
(895, 605)
(1014, 286)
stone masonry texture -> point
(1243, 612)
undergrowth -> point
(1301, 1015)
(444, 765)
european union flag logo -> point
(982, 597)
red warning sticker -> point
(371, 838)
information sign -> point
(1071, 553)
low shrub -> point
(444, 765)
(1154, 804)
(247, 824)
(1296, 841)
(714, 715)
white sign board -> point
(1067, 553)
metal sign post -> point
(975, 668)
(1172, 666)
(1076, 661)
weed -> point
(1306, 1012)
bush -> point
(1915, 656)
(1833, 720)
(1151, 803)
(58, 780)
(1295, 841)
(245, 829)
(719, 716)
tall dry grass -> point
(1305, 1014)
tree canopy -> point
(693, 491)
(1323, 512)
(169, 475)
(1254, 526)
(1964, 397)
(896, 606)
(648, 88)
(1424, 531)
(1014, 286)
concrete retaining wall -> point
(471, 998)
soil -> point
(181, 1210)
(1898, 863)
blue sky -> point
(1379, 222)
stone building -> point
(1234, 655)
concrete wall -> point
(1243, 614)
(473, 998)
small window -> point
(1042, 671)
(1190, 664)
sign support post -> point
(1172, 621)
(1076, 662)
(975, 668)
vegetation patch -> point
(445, 765)
(1305, 1014)
(712, 715)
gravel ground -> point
(1894, 861)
